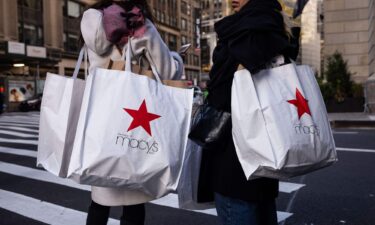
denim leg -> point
(236, 212)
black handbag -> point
(209, 126)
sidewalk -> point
(352, 120)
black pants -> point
(131, 214)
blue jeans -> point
(238, 212)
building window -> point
(183, 40)
(172, 43)
(71, 11)
(163, 17)
(30, 25)
(184, 7)
(196, 60)
(183, 24)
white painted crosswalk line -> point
(282, 216)
(15, 151)
(43, 211)
(3, 123)
(288, 187)
(40, 175)
(13, 120)
(19, 141)
(19, 118)
(355, 150)
(18, 128)
(169, 200)
(285, 187)
(18, 134)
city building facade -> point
(40, 36)
(310, 37)
(212, 11)
(346, 30)
(370, 84)
(349, 29)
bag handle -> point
(128, 56)
(82, 54)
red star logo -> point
(141, 118)
(301, 103)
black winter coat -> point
(251, 37)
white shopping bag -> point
(59, 113)
(132, 132)
(188, 186)
(280, 123)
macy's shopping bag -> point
(280, 124)
(59, 113)
(132, 132)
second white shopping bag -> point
(280, 124)
(59, 113)
(132, 132)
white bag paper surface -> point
(132, 133)
(59, 113)
(280, 123)
(188, 186)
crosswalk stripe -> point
(26, 117)
(355, 150)
(170, 200)
(19, 141)
(288, 187)
(40, 175)
(18, 128)
(9, 123)
(285, 187)
(345, 132)
(20, 152)
(43, 211)
(18, 134)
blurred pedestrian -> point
(106, 27)
(255, 36)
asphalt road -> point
(341, 194)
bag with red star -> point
(132, 132)
(280, 123)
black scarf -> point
(251, 37)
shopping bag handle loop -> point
(82, 54)
(128, 56)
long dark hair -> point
(126, 4)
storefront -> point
(22, 71)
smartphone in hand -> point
(183, 49)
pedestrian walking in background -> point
(106, 27)
(256, 37)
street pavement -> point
(341, 194)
